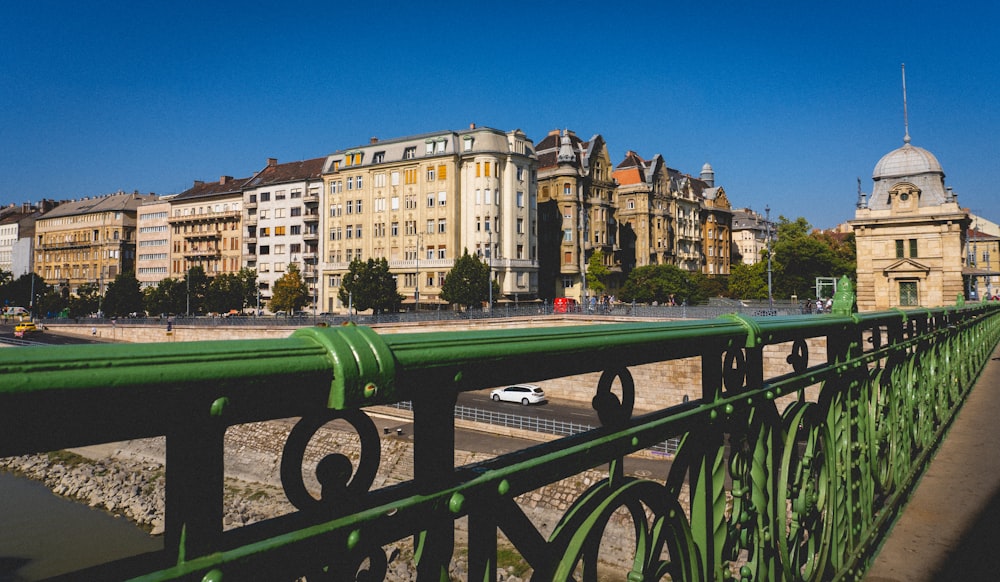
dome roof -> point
(906, 161)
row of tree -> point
(798, 257)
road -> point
(43, 337)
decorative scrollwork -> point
(804, 489)
(611, 411)
(334, 471)
(576, 539)
(799, 358)
(734, 370)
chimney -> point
(224, 180)
(373, 140)
(272, 162)
(198, 183)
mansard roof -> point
(275, 173)
(548, 149)
(119, 202)
(225, 185)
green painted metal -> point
(801, 490)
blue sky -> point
(790, 102)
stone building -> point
(911, 234)
(88, 241)
(576, 178)
(717, 221)
(645, 212)
(750, 233)
(205, 228)
(422, 201)
(152, 240)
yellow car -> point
(25, 327)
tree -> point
(225, 292)
(660, 283)
(123, 296)
(248, 283)
(370, 285)
(17, 292)
(196, 288)
(86, 300)
(169, 296)
(290, 292)
(597, 272)
(468, 282)
(748, 281)
(800, 257)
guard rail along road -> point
(767, 483)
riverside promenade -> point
(950, 528)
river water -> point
(42, 534)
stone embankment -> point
(128, 479)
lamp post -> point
(489, 259)
(767, 225)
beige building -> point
(421, 201)
(577, 176)
(205, 228)
(152, 240)
(750, 232)
(717, 222)
(88, 241)
(911, 235)
(645, 215)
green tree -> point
(86, 300)
(290, 292)
(225, 292)
(168, 297)
(248, 283)
(748, 281)
(370, 285)
(468, 282)
(597, 273)
(801, 256)
(123, 296)
(661, 282)
(196, 290)
(17, 292)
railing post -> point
(433, 469)
(194, 481)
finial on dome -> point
(906, 119)
(565, 149)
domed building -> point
(910, 234)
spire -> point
(906, 119)
(566, 154)
(862, 198)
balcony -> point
(250, 219)
(250, 204)
(203, 253)
(310, 197)
(825, 422)
(205, 218)
(310, 236)
(202, 235)
(250, 239)
(309, 256)
(310, 217)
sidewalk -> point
(950, 528)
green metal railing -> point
(805, 492)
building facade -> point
(717, 221)
(422, 201)
(644, 214)
(750, 232)
(282, 222)
(152, 241)
(88, 241)
(577, 177)
(911, 235)
(205, 228)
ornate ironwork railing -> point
(755, 492)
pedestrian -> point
(819, 305)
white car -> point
(524, 393)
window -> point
(913, 248)
(410, 153)
(378, 158)
(908, 293)
(430, 172)
(395, 229)
(442, 253)
(630, 204)
(296, 229)
(442, 172)
(394, 179)
(266, 231)
(265, 196)
(520, 173)
(567, 258)
(357, 234)
(379, 180)
(350, 183)
(264, 250)
(430, 252)
(520, 199)
(899, 248)
(430, 227)
(357, 206)
(410, 176)
(279, 212)
(279, 249)
(520, 226)
(395, 203)
(520, 251)
(350, 207)
(467, 143)
(359, 179)
(567, 235)
(279, 195)
(279, 231)
(430, 201)
(295, 211)
(442, 198)
(442, 226)
(430, 147)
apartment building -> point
(205, 228)
(717, 221)
(89, 240)
(152, 240)
(576, 177)
(644, 214)
(282, 223)
(750, 235)
(422, 201)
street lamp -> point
(416, 284)
(489, 259)
(767, 225)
